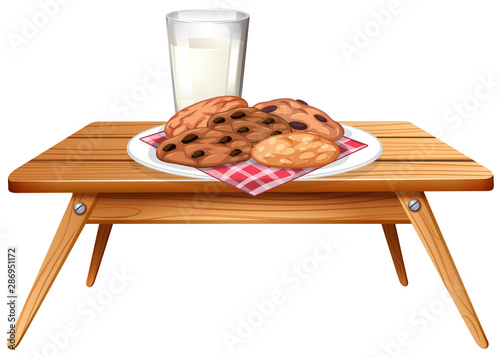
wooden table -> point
(93, 165)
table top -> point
(95, 159)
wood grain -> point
(240, 208)
(383, 129)
(391, 235)
(130, 129)
(95, 160)
(69, 229)
(115, 177)
(100, 246)
(115, 129)
(428, 230)
(115, 148)
(419, 149)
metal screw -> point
(79, 208)
(414, 205)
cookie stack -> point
(282, 133)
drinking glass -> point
(207, 53)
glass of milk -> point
(207, 53)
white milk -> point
(205, 67)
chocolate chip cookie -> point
(303, 118)
(197, 114)
(251, 123)
(204, 147)
(295, 150)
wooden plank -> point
(391, 235)
(389, 128)
(418, 149)
(427, 228)
(130, 129)
(114, 177)
(69, 229)
(95, 160)
(99, 247)
(240, 208)
(116, 149)
(78, 149)
(115, 129)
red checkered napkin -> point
(255, 178)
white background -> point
(192, 282)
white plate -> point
(145, 154)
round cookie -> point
(204, 147)
(251, 123)
(295, 150)
(303, 118)
(197, 114)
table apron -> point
(240, 208)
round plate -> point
(145, 154)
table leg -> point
(428, 230)
(99, 247)
(391, 236)
(69, 229)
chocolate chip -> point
(225, 139)
(275, 133)
(219, 120)
(189, 138)
(320, 118)
(238, 114)
(235, 152)
(298, 125)
(197, 154)
(302, 102)
(269, 109)
(169, 147)
(268, 121)
(243, 130)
